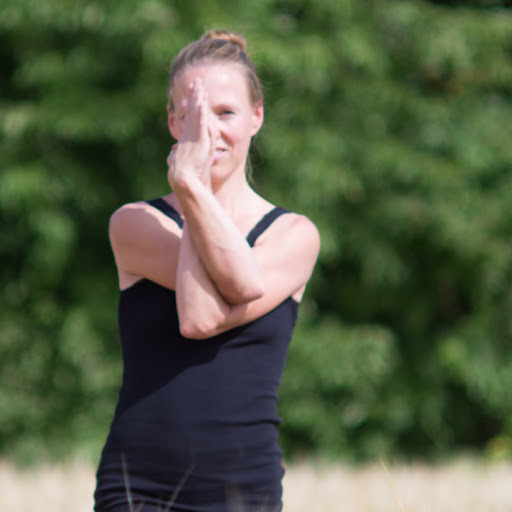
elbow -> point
(204, 326)
(194, 330)
(254, 293)
(243, 295)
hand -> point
(191, 158)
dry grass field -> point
(460, 486)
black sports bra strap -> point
(167, 209)
(264, 223)
(256, 231)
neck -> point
(233, 194)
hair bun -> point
(216, 47)
(226, 35)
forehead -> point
(223, 82)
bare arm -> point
(201, 309)
(146, 244)
(286, 254)
(221, 281)
(227, 257)
(221, 246)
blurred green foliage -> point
(387, 123)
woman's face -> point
(231, 114)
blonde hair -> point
(216, 47)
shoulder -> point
(138, 219)
(301, 223)
(305, 234)
(126, 215)
(292, 231)
(131, 210)
(287, 253)
(127, 210)
(296, 224)
(145, 243)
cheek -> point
(240, 131)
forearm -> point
(202, 311)
(222, 249)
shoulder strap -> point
(256, 231)
(264, 223)
(167, 209)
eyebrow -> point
(225, 106)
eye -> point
(224, 111)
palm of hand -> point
(192, 156)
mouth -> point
(218, 152)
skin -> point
(220, 281)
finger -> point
(213, 135)
(205, 116)
(190, 98)
(193, 111)
(171, 155)
(197, 92)
(213, 132)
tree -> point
(386, 123)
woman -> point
(211, 276)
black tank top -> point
(201, 409)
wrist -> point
(189, 184)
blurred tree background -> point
(387, 123)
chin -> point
(220, 174)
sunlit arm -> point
(286, 256)
(202, 311)
(222, 249)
